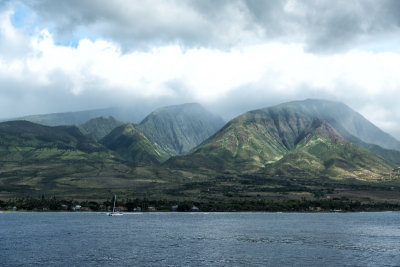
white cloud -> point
(323, 26)
(265, 73)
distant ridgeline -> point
(303, 149)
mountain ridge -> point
(132, 145)
(263, 137)
(178, 129)
(129, 114)
(353, 122)
(98, 128)
(323, 152)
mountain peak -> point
(343, 119)
(129, 142)
(178, 129)
(99, 127)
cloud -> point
(13, 43)
(231, 56)
(323, 26)
(130, 24)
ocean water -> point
(200, 239)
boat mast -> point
(115, 196)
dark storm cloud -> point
(323, 26)
(327, 26)
(345, 24)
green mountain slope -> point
(99, 127)
(388, 154)
(322, 152)
(24, 135)
(61, 161)
(273, 138)
(340, 116)
(130, 143)
(178, 129)
(249, 141)
(41, 159)
(264, 154)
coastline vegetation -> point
(146, 205)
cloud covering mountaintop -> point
(230, 56)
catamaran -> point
(115, 213)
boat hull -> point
(115, 214)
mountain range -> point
(125, 114)
(265, 138)
(186, 150)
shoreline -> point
(199, 212)
(145, 205)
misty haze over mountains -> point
(175, 130)
(347, 121)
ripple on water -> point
(199, 239)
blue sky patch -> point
(24, 18)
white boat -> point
(115, 213)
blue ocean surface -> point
(200, 239)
